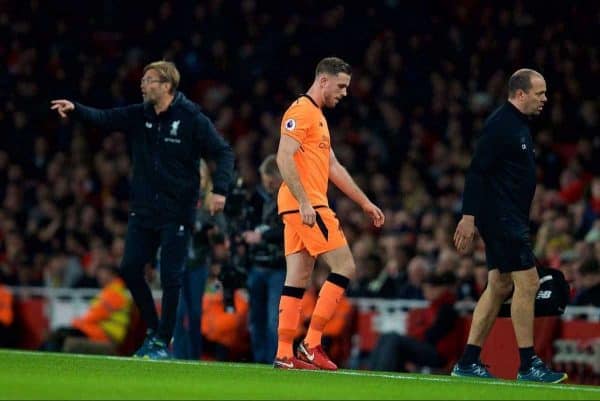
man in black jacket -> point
(499, 188)
(266, 274)
(168, 134)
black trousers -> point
(145, 234)
(393, 350)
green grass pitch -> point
(36, 375)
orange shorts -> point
(326, 235)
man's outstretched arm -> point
(118, 118)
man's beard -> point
(148, 100)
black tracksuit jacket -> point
(166, 151)
(501, 180)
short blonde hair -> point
(167, 72)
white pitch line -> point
(493, 382)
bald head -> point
(521, 79)
(527, 91)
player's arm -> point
(340, 177)
(288, 146)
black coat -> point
(166, 151)
(501, 180)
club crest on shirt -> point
(290, 124)
(324, 144)
(174, 127)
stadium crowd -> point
(425, 76)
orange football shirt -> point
(304, 121)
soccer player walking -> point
(499, 188)
(307, 164)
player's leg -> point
(327, 240)
(522, 305)
(299, 266)
(531, 367)
(499, 287)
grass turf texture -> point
(34, 375)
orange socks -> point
(289, 318)
(329, 297)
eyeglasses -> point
(146, 81)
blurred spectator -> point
(187, 336)
(90, 261)
(107, 319)
(417, 270)
(7, 317)
(62, 271)
(13, 260)
(466, 288)
(589, 294)
(225, 333)
(266, 260)
(434, 336)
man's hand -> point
(374, 213)
(251, 237)
(216, 203)
(62, 106)
(463, 236)
(308, 214)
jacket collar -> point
(522, 116)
